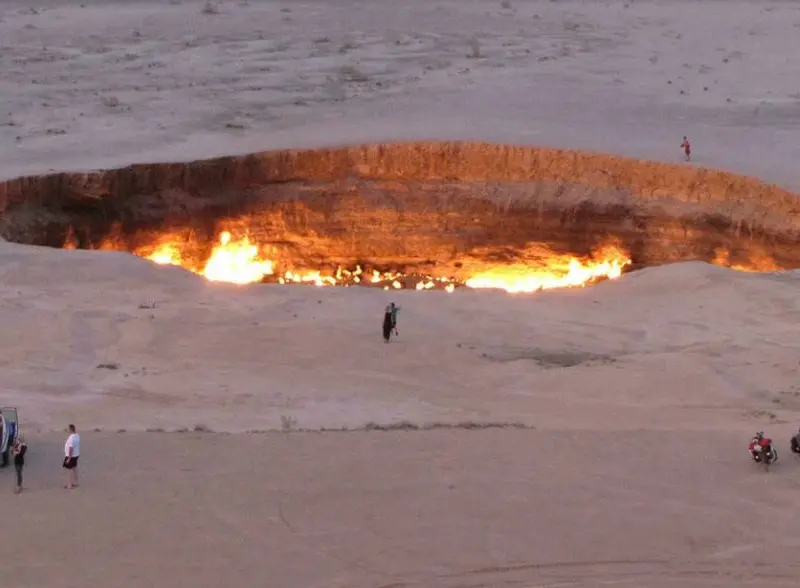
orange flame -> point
(757, 261)
(239, 261)
(166, 255)
(558, 272)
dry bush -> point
(288, 423)
(348, 73)
(210, 8)
(474, 48)
(347, 46)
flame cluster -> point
(757, 261)
(240, 261)
(559, 271)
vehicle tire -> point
(770, 457)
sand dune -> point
(579, 438)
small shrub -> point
(346, 47)
(474, 48)
(210, 8)
(350, 74)
(288, 423)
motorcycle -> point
(794, 443)
(763, 451)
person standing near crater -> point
(388, 322)
(394, 317)
(687, 148)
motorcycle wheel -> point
(770, 457)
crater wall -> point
(439, 206)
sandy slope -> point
(685, 346)
(117, 82)
(685, 360)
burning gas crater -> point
(238, 260)
(414, 216)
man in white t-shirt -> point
(72, 451)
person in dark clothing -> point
(388, 323)
(394, 317)
(18, 451)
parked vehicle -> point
(9, 429)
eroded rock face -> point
(444, 208)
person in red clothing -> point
(687, 148)
(761, 449)
(760, 440)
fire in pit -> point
(412, 216)
(239, 260)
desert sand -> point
(590, 437)
(102, 83)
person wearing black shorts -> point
(72, 451)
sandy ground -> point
(450, 509)
(118, 81)
(634, 398)
(634, 401)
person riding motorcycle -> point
(760, 444)
(794, 442)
